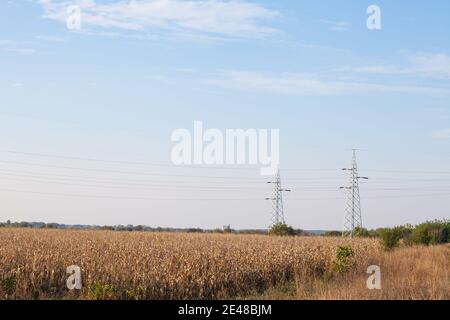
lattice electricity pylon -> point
(353, 217)
(277, 201)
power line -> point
(144, 163)
(141, 163)
(37, 178)
(125, 172)
(140, 186)
(125, 198)
(409, 171)
(120, 180)
(206, 199)
(165, 188)
(146, 184)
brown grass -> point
(139, 265)
(408, 273)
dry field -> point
(139, 265)
(409, 273)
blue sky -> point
(137, 70)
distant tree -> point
(333, 234)
(300, 232)
(227, 229)
(431, 232)
(119, 228)
(406, 234)
(281, 229)
(194, 230)
(24, 224)
(390, 237)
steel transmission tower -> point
(277, 200)
(353, 217)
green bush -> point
(430, 233)
(282, 229)
(420, 235)
(405, 234)
(390, 237)
(361, 232)
(101, 291)
(343, 261)
(8, 285)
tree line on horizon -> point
(427, 233)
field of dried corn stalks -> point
(139, 265)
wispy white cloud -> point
(226, 18)
(4, 42)
(18, 47)
(336, 25)
(441, 134)
(49, 38)
(160, 78)
(431, 64)
(23, 51)
(422, 64)
(308, 84)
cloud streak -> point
(336, 25)
(22, 51)
(298, 84)
(424, 64)
(219, 17)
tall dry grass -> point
(139, 265)
(406, 273)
